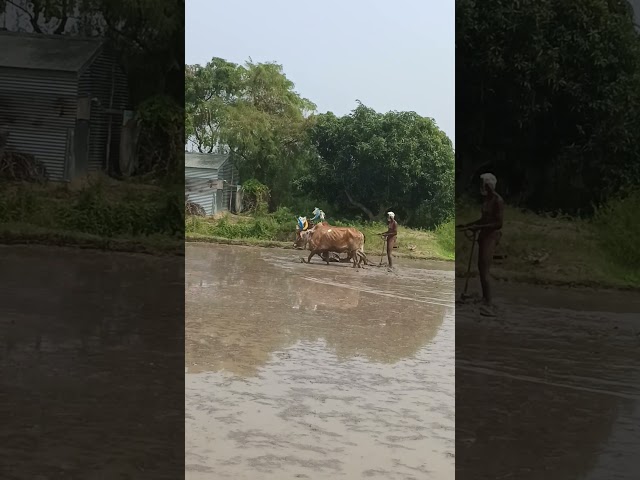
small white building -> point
(211, 181)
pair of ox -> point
(326, 241)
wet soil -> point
(90, 365)
(316, 371)
(550, 388)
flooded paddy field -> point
(90, 364)
(316, 371)
(551, 388)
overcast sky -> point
(389, 55)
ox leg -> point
(310, 256)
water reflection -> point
(241, 307)
(562, 389)
(359, 381)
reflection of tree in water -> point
(113, 304)
(236, 327)
(233, 317)
(382, 329)
(516, 427)
(207, 271)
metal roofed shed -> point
(210, 181)
(62, 100)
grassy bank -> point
(278, 230)
(550, 250)
(93, 213)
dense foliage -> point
(549, 99)
(254, 111)
(377, 162)
(362, 164)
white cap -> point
(489, 179)
(391, 214)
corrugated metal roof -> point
(47, 52)
(211, 161)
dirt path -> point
(551, 388)
(315, 371)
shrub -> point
(446, 236)
(255, 196)
(95, 210)
(619, 228)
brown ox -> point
(302, 242)
(324, 238)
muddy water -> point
(90, 375)
(315, 371)
(551, 388)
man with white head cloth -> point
(391, 235)
(489, 227)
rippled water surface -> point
(316, 371)
(551, 388)
(90, 378)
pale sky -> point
(389, 55)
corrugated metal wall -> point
(197, 187)
(229, 173)
(38, 108)
(96, 82)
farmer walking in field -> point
(390, 235)
(488, 229)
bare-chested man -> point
(391, 235)
(489, 225)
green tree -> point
(148, 35)
(254, 111)
(210, 93)
(373, 162)
(549, 99)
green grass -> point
(618, 228)
(278, 230)
(96, 212)
(545, 249)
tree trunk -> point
(360, 206)
(381, 212)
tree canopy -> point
(148, 35)
(362, 163)
(377, 162)
(254, 111)
(549, 99)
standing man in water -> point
(390, 235)
(489, 225)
